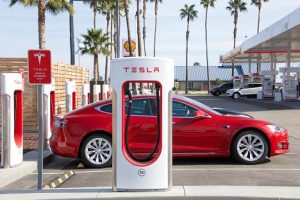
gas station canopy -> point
(279, 43)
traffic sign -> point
(39, 66)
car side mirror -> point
(199, 115)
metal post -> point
(118, 28)
(72, 51)
(41, 138)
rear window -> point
(106, 108)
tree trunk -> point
(234, 41)
(258, 18)
(115, 35)
(107, 57)
(186, 56)
(95, 13)
(155, 28)
(144, 25)
(96, 68)
(111, 34)
(41, 23)
(139, 39)
(207, 65)
(128, 27)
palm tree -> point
(107, 6)
(126, 8)
(155, 28)
(52, 6)
(95, 43)
(235, 6)
(258, 4)
(190, 13)
(96, 6)
(206, 4)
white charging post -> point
(49, 111)
(105, 92)
(12, 119)
(86, 99)
(70, 95)
(130, 170)
(97, 96)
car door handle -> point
(226, 126)
(173, 122)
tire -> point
(236, 95)
(218, 93)
(96, 151)
(253, 152)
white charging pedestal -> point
(49, 111)
(70, 96)
(129, 173)
(85, 94)
(12, 119)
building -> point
(197, 79)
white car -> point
(246, 90)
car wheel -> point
(217, 93)
(236, 95)
(250, 147)
(96, 151)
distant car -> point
(198, 131)
(231, 112)
(249, 89)
(221, 89)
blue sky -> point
(18, 30)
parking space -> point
(283, 170)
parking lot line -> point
(189, 169)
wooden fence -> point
(61, 73)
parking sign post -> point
(39, 67)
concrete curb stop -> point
(59, 180)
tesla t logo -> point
(141, 69)
(39, 55)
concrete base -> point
(177, 191)
(10, 175)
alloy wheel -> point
(250, 147)
(98, 151)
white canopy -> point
(279, 42)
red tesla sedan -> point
(198, 131)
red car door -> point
(192, 135)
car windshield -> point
(197, 103)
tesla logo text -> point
(39, 56)
(141, 69)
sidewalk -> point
(29, 164)
(178, 192)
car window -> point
(182, 110)
(245, 86)
(139, 107)
(106, 108)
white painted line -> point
(192, 169)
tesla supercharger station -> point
(70, 95)
(290, 80)
(97, 96)
(49, 111)
(12, 119)
(268, 80)
(142, 161)
(86, 98)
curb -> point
(59, 180)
